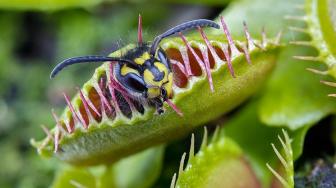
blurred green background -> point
(34, 37)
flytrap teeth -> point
(114, 99)
(179, 65)
(88, 103)
(102, 97)
(285, 159)
(301, 43)
(78, 116)
(317, 71)
(278, 38)
(298, 29)
(198, 59)
(58, 122)
(249, 39)
(49, 137)
(227, 34)
(296, 18)
(203, 58)
(332, 84)
(174, 107)
(299, 6)
(191, 155)
(307, 58)
(206, 57)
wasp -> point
(144, 71)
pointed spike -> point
(247, 55)
(298, 29)
(307, 58)
(56, 139)
(181, 167)
(58, 122)
(187, 64)
(114, 100)
(102, 97)
(76, 184)
(263, 38)
(259, 46)
(228, 60)
(287, 152)
(214, 54)
(173, 182)
(47, 132)
(331, 95)
(282, 160)
(102, 106)
(250, 43)
(45, 141)
(301, 43)
(296, 18)
(113, 84)
(140, 29)
(185, 58)
(317, 71)
(77, 115)
(179, 65)
(204, 53)
(278, 176)
(299, 6)
(192, 148)
(278, 38)
(86, 106)
(88, 102)
(332, 84)
(174, 107)
(233, 47)
(205, 139)
(288, 142)
(215, 134)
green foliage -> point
(140, 170)
(221, 162)
(48, 4)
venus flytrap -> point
(319, 16)
(101, 124)
(219, 163)
(286, 160)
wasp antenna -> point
(83, 59)
(182, 27)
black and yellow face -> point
(150, 78)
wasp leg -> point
(157, 102)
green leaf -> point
(293, 96)
(140, 170)
(258, 14)
(219, 164)
(49, 5)
(255, 138)
(321, 25)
